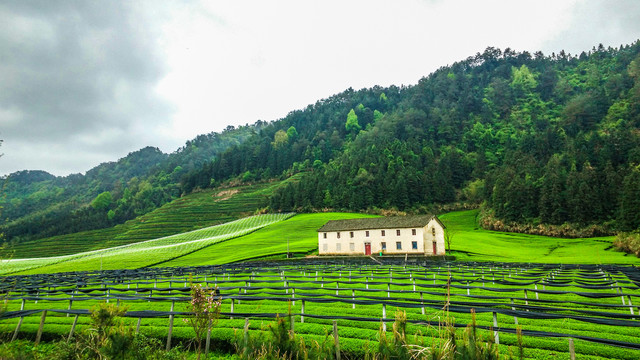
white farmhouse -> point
(419, 235)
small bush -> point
(628, 242)
(280, 342)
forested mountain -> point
(38, 204)
(537, 139)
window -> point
(414, 245)
(413, 232)
(350, 233)
(325, 235)
(382, 232)
(338, 235)
(352, 246)
(397, 232)
(383, 245)
(398, 245)
(338, 247)
(433, 231)
(325, 247)
(366, 233)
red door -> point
(435, 248)
(367, 248)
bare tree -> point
(448, 237)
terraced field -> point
(594, 305)
(195, 211)
(145, 253)
(298, 233)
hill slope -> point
(539, 139)
(197, 210)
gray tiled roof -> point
(391, 222)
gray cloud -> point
(76, 72)
(593, 22)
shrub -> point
(280, 342)
(205, 312)
(628, 242)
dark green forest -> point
(531, 138)
(37, 204)
(534, 138)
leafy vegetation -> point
(538, 139)
(38, 204)
(145, 253)
(195, 211)
(628, 242)
(329, 298)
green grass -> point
(194, 211)
(145, 253)
(300, 231)
(471, 243)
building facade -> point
(419, 235)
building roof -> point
(391, 222)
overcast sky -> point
(85, 82)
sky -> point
(86, 82)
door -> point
(435, 248)
(367, 248)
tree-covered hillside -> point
(538, 139)
(37, 204)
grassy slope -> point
(191, 212)
(471, 243)
(147, 253)
(300, 230)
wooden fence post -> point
(208, 340)
(353, 298)
(515, 318)
(495, 326)
(246, 335)
(572, 350)
(138, 325)
(336, 338)
(15, 334)
(73, 328)
(422, 302)
(291, 323)
(232, 305)
(41, 327)
(302, 313)
(384, 316)
(170, 327)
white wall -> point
(424, 238)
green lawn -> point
(299, 230)
(471, 243)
